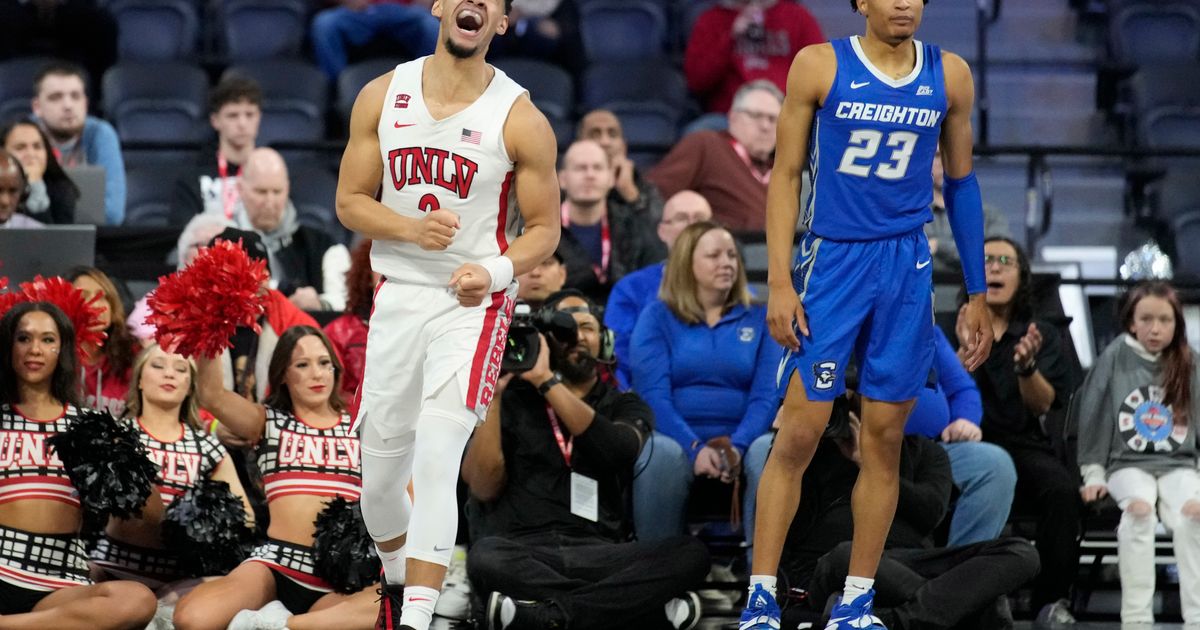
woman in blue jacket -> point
(702, 358)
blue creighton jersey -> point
(872, 147)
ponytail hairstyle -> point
(1177, 358)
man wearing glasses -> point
(729, 168)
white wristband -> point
(501, 270)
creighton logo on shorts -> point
(826, 373)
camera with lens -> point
(522, 348)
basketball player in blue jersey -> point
(868, 112)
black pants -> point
(597, 583)
(1046, 486)
(934, 588)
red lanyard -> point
(765, 177)
(605, 244)
(229, 192)
(565, 444)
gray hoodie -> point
(1122, 421)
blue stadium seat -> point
(650, 80)
(162, 101)
(295, 98)
(1148, 31)
(148, 192)
(314, 187)
(625, 30)
(155, 30)
(355, 76)
(16, 85)
(1186, 227)
(1166, 101)
(263, 29)
(550, 87)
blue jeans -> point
(986, 477)
(664, 480)
(336, 29)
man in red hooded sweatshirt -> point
(738, 41)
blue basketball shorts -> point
(873, 298)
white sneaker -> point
(273, 616)
(1056, 613)
(455, 600)
(683, 612)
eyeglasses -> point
(1003, 260)
(759, 116)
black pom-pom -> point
(206, 528)
(344, 553)
(106, 463)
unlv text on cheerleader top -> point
(298, 459)
(29, 467)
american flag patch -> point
(472, 137)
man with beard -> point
(60, 104)
(549, 472)
(447, 157)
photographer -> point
(549, 472)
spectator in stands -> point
(78, 30)
(198, 233)
(635, 291)
(353, 23)
(601, 240)
(730, 169)
(106, 368)
(543, 29)
(246, 362)
(738, 41)
(52, 194)
(550, 556)
(542, 281)
(702, 358)
(1137, 417)
(13, 190)
(307, 265)
(918, 585)
(951, 411)
(937, 232)
(201, 229)
(348, 333)
(1026, 376)
(60, 104)
(209, 185)
(629, 186)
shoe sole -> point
(691, 621)
(493, 611)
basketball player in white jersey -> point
(444, 152)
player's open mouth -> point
(469, 20)
(995, 285)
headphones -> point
(607, 338)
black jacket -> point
(824, 518)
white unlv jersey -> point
(458, 163)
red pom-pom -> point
(197, 310)
(83, 313)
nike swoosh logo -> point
(400, 126)
(440, 549)
(922, 265)
(854, 85)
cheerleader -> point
(162, 405)
(308, 455)
(44, 579)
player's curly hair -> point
(853, 5)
